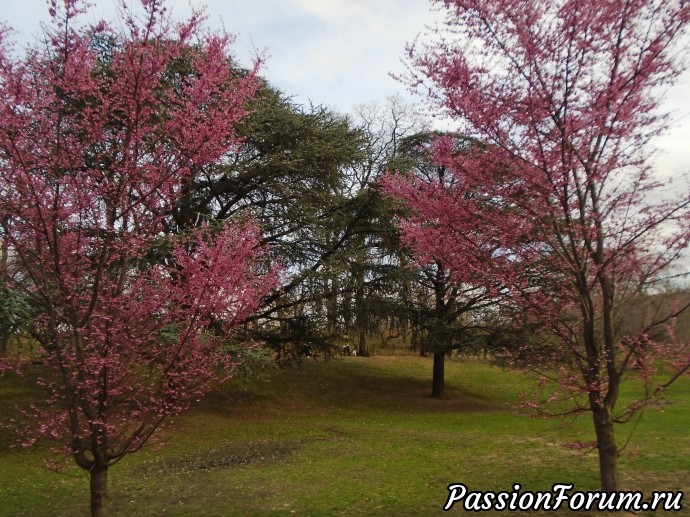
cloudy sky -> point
(334, 52)
(337, 52)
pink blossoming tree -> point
(461, 294)
(101, 130)
(565, 211)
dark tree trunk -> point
(438, 336)
(360, 312)
(4, 341)
(362, 349)
(424, 346)
(608, 451)
(437, 382)
(99, 491)
(332, 306)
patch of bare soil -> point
(232, 455)
(223, 457)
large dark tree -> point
(289, 175)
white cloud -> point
(332, 11)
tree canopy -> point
(570, 220)
(96, 149)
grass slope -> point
(357, 436)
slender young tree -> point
(374, 279)
(570, 217)
(99, 136)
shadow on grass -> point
(351, 384)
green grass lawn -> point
(357, 436)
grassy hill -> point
(357, 436)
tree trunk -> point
(437, 382)
(360, 312)
(332, 305)
(439, 336)
(362, 350)
(608, 451)
(99, 491)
